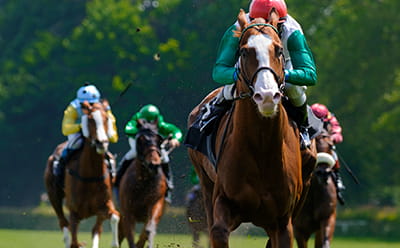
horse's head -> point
(148, 143)
(261, 62)
(96, 125)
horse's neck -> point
(90, 161)
(247, 120)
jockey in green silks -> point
(150, 113)
(300, 69)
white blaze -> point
(101, 133)
(265, 78)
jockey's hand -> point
(336, 138)
(174, 143)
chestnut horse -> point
(143, 187)
(259, 176)
(87, 188)
(196, 215)
(319, 212)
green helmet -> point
(149, 112)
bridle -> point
(148, 135)
(249, 82)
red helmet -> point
(320, 110)
(262, 8)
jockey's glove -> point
(174, 143)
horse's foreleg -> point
(149, 232)
(282, 237)
(96, 232)
(128, 230)
(224, 223)
(74, 223)
(114, 220)
(327, 228)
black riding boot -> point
(170, 185)
(213, 111)
(339, 186)
(123, 166)
(300, 116)
(59, 166)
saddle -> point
(201, 135)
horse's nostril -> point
(257, 97)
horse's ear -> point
(85, 106)
(105, 103)
(242, 20)
(273, 17)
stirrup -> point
(305, 141)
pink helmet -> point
(320, 110)
(262, 8)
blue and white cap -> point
(88, 93)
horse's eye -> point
(278, 51)
(243, 52)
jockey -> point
(332, 125)
(71, 127)
(300, 70)
(150, 113)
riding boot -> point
(300, 116)
(214, 109)
(170, 185)
(59, 166)
(123, 166)
(339, 186)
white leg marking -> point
(67, 239)
(95, 240)
(114, 228)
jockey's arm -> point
(167, 129)
(69, 122)
(304, 70)
(113, 137)
(224, 68)
(131, 127)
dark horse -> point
(143, 187)
(87, 188)
(259, 176)
(196, 215)
(319, 212)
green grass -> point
(53, 239)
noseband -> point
(249, 83)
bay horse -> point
(87, 189)
(143, 187)
(196, 215)
(318, 214)
(260, 176)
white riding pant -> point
(296, 94)
(132, 153)
(75, 141)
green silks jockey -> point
(150, 113)
(300, 69)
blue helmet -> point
(88, 93)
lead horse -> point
(260, 175)
(87, 190)
(319, 212)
